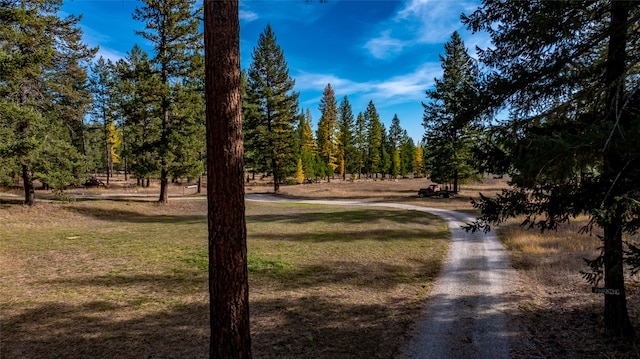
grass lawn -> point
(128, 279)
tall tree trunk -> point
(455, 180)
(276, 175)
(164, 182)
(124, 151)
(228, 279)
(164, 171)
(200, 176)
(107, 151)
(29, 192)
(616, 317)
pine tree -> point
(172, 28)
(250, 130)
(569, 73)
(308, 149)
(187, 137)
(102, 84)
(270, 89)
(449, 116)
(374, 136)
(386, 163)
(407, 154)
(327, 134)
(395, 132)
(346, 147)
(360, 141)
(139, 94)
(42, 95)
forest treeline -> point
(67, 115)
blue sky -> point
(380, 50)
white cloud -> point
(418, 22)
(311, 81)
(246, 15)
(408, 87)
(384, 46)
(398, 89)
(436, 19)
(298, 11)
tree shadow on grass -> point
(379, 235)
(127, 216)
(375, 275)
(321, 327)
(356, 216)
(185, 282)
(304, 325)
(102, 329)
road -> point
(464, 316)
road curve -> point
(464, 316)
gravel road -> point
(464, 316)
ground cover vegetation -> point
(129, 278)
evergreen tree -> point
(570, 74)
(348, 155)
(449, 116)
(68, 78)
(360, 141)
(395, 132)
(187, 137)
(270, 89)
(327, 134)
(386, 166)
(102, 84)
(251, 135)
(42, 94)
(407, 154)
(308, 149)
(374, 136)
(139, 95)
(172, 28)
(399, 139)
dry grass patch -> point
(128, 279)
(558, 312)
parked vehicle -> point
(435, 191)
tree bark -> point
(228, 283)
(276, 174)
(29, 192)
(616, 317)
(164, 171)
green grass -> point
(129, 279)
(254, 265)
